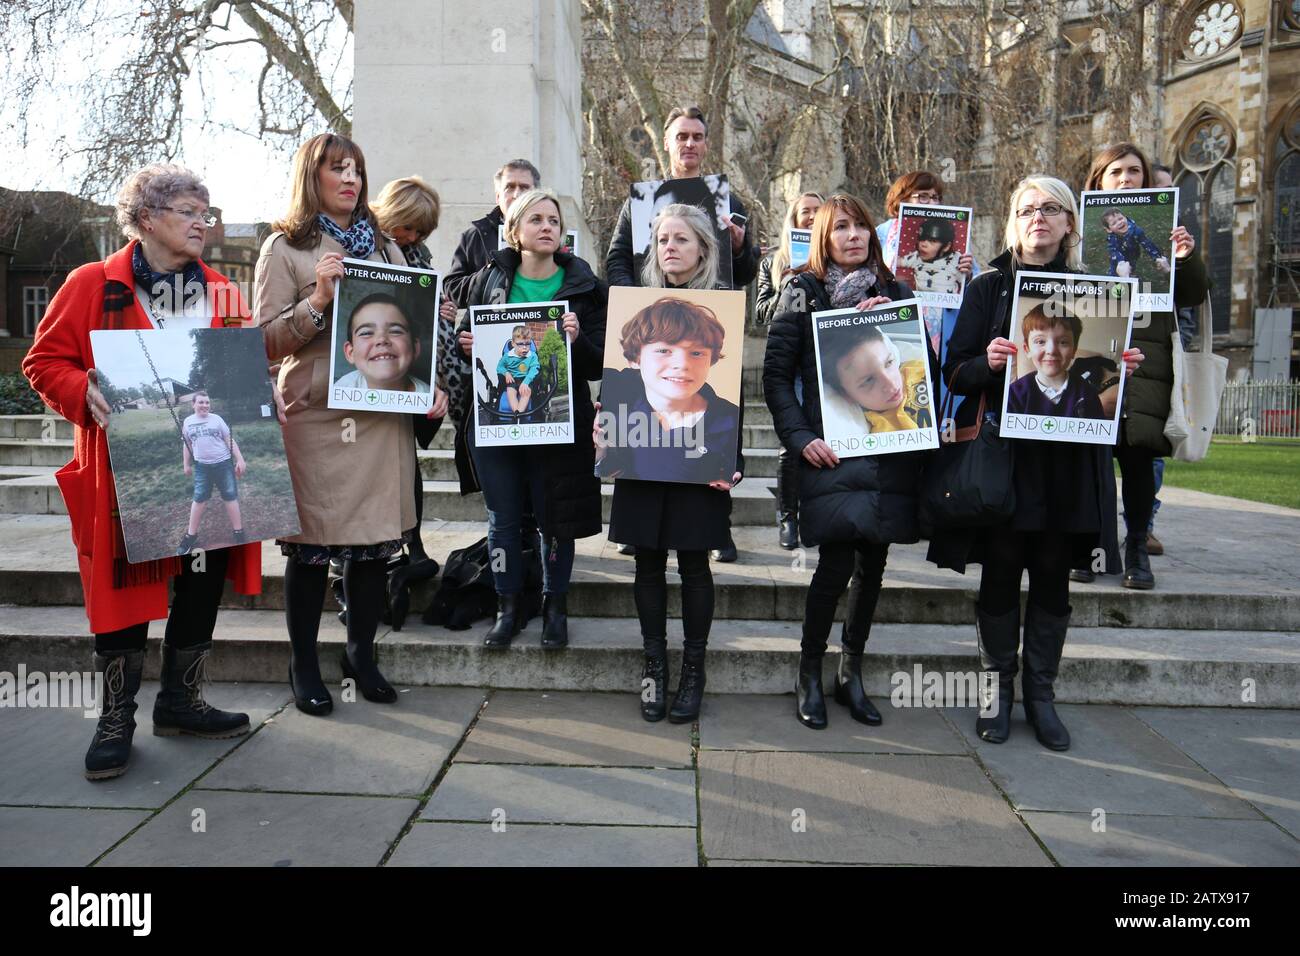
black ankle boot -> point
(654, 679)
(359, 665)
(849, 691)
(555, 620)
(1043, 646)
(998, 637)
(1137, 564)
(180, 707)
(810, 701)
(690, 689)
(788, 522)
(507, 623)
(110, 748)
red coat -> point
(56, 366)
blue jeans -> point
(221, 474)
(509, 477)
(1158, 469)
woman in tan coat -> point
(352, 471)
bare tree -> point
(132, 106)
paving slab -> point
(768, 722)
(603, 730)
(477, 844)
(857, 808)
(1255, 752)
(267, 829)
(61, 836)
(530, 794)
(1115, 763)
(361, 748)
(1163, 841)
(42, 751)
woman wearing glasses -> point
(1042, 234)
(156, 281)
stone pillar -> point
(450, 91)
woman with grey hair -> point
(156, 281)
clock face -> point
(1216, 26)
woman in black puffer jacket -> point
(852, 508)
(1147, 395)
(560, 479)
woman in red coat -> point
(148, 284)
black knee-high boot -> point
(1043, 646)
(304, 598)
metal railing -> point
(1265, 409)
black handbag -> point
(970, 484)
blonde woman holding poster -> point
(1043, 534)
(559, 479)
(659, 516)
(852, 508)
(350, 510)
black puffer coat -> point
(572, 506)
(1147, 392)
(1060, 486)
(870, 498)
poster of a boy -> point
(868, 369)
(209, 452)
(519, 367)
(671, 425)
(934, 260)
(381, 344)
(1051, 342)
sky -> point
(247, 179)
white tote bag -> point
(1199, 380)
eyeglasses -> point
(1050, 210)
(193, 215)
(925, 197)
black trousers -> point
(1136, 467)
(650, 591)
(1008, 554)
(837, 562)
(787, 482)
(193, 615)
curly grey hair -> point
(152, 187)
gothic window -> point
(1207, 184)
(1285, 239)
(1214, 27)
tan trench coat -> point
(349, 492)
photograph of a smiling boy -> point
(382, 344)
(690, 431)
(1051, 337)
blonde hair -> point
(1072, 242)
(519, 208)
(781, 258)
(409, 203)
(706, 273)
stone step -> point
(757, 413)
(35, 427)
(38, 568)
(34, 452)
(440, 465)
(753, 501)
(1193, 668)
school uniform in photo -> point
(1075, 399)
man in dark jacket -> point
(480, 240)
(686, 140)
